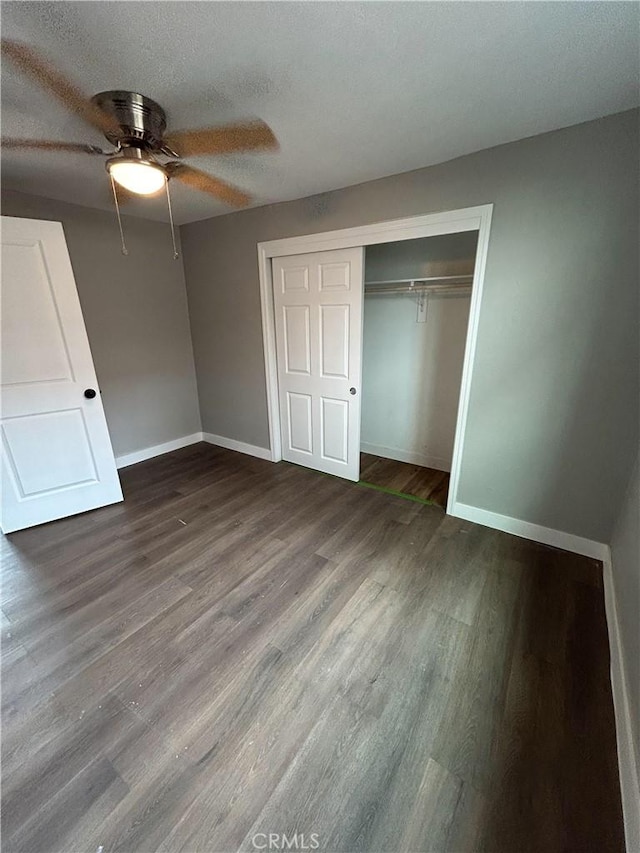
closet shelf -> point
(442, 285)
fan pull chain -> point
(173, 233)
(115, 198)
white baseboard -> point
(527, 530)
(157, 449)
(220, 440)
(240, 446)
(410, 456)
(627, 768)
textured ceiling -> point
(354, 91)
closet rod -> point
(436, 289)
(420, 279)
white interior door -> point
(56, 455)
(318, 313)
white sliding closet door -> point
(318, 313)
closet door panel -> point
(318, 311)
(334, 341)
(295, 279)
(299, 432)
(334, 429)
(335, 276)
(297, 344)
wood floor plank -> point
(221, 813)
(354, 769)
(445, 810)
(425, 483)
(73, 811)
(244, 647)
(32, 785)
(465, 745)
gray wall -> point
(135, 311)
(553, 416)
(625, 562)
(411, 376)
(446, 254)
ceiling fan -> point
(145, 157)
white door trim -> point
(446, 222)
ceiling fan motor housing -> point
(142, 121)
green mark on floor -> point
(398, 494)
(377, 488)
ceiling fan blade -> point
(206, 183)
(52, 145)
(30, 63)
(253, 136)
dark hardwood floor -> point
(425, 483)
(244, 648)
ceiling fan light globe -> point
(138, 177)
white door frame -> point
(433, 224)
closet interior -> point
(416, 312)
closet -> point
(416, 311)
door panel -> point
(334, 341)
(334, 429)
(69, 457)
(336, 276)
(55, 452)
(297, 339)
(318, 312)
(300, 422)
(294, 279)
(29, 307)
